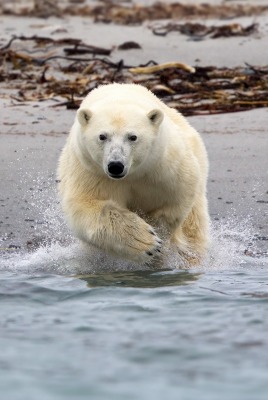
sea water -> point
(85, 326)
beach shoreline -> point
(33, 133)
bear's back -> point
(117, 92)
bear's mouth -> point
(117, 177)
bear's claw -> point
(155, 250)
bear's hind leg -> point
(192, 237)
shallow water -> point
(85, 326)
(132, 334)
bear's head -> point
(119, 139)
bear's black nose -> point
(115, 168)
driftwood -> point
(161, 67)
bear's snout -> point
(116, 169)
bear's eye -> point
(132, 138)
(102, 137)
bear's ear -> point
(83, 116)
(156, 117)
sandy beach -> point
(33, 133)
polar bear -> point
(131, 160)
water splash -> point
(227, 250)
(59, 252)
(230, 239)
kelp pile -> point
(127, 13)
(38, 68)
(197, 31)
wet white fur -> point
(165, 174)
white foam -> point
(60, 253)
(229, 241)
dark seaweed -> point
(39, 68)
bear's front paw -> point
(131, 237)
(142, 243)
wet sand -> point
(32, 135)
